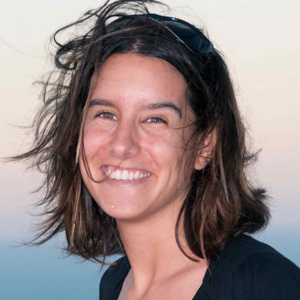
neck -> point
(152, 250)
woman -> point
(143, 149)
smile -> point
(118, 174)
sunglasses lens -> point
(194, 39)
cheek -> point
(95, 145)
(95, 142)
(173, 157)
(165, 149)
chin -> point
(122, 215)
(120, 210)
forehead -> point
(135, 79)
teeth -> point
(118, 175)
(113, 175)
(131, 175)
(125, 175)
(107, 172)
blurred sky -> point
(261, 44)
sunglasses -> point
(190, 36)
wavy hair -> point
(221, 203)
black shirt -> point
(245, 270)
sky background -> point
(261, 44)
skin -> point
(139, 120)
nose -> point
(124, 143)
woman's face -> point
(134, 136)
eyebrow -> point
(165, 105)
(95, 102)
(151, 106)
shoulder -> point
(248, 269)
(113, 277)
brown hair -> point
(221, 203)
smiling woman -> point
(144, 154)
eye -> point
(107, 115)
(155, 120)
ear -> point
(206, 150)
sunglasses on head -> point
(190, 36)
